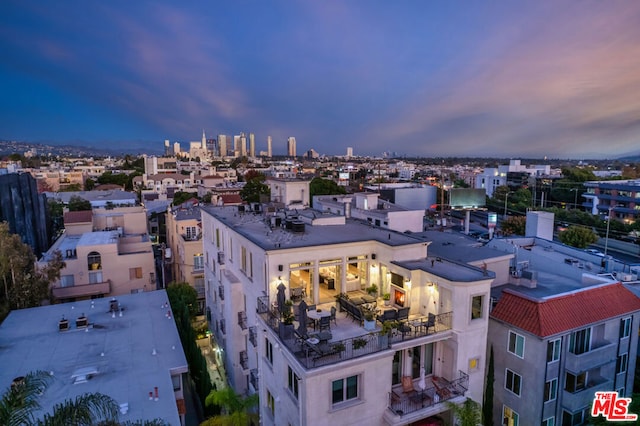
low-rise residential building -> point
(184, 237)
(560, 331)
(107, 252)
(427, 346)
(127, 348)
(619, 199)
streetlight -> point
(606, 238)
(506, 197)
(575, 198)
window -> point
(553, 350)
(574, 419)
(135, 273)
(175, 380)
(218, 237)
(271, 404)
(94, 261)
(551, 421)
(67, 281)
(474, 364)
(580, 341)
(190, 233)
(625, 327)
(268, 350)
(476, 307)
(198, 262)
(509, 417)
(513, 382)
(575, 383)
(550, 390)
(343, 390)
(516, 344)
(292, 381)
(95, 277)
(621, 363)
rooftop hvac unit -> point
(625, 277)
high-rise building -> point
(167, 147)
(349, 152)
(243, 145)
(269, 152)
(204, 142)
(176, 148)
(223, 143)
(252, 145)
(291, 146)
(236, 145)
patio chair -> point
(403, 314)
(431, 322)
(409, 390)
(324, 323)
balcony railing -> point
(253, 336)
(221, 292)
(262, 305)
(244, 360)
(331, 352)
(436, 391)
(253, 379)
(82, 290)
(242, 320)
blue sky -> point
(431, 78)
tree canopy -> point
(238, 411)
(24, 285)
(578, 236)
(255, 190)
(78, 204)
(19, 404)
(514, 225)
(319, 186)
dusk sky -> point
(426, 78)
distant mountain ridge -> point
(8, 147)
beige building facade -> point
(107, 252)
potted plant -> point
(339, 347)
(359, 342)
(387, 299)
(387, 327)
(372, 290)
(369, 316)
(286, 321)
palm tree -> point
(238, 410)
(20, 402)
(467, 414)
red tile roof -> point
(229, 199)
(546, 317)
(82, 216)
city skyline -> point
(426, 79)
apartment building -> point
(126, 347)
(619, 199)
(560, 331)
(184, 237)
(430, 350)
(107, 252)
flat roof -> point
(117, 349)
(98, 238)
(256, 228)
(450, 270)
(457, 246)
